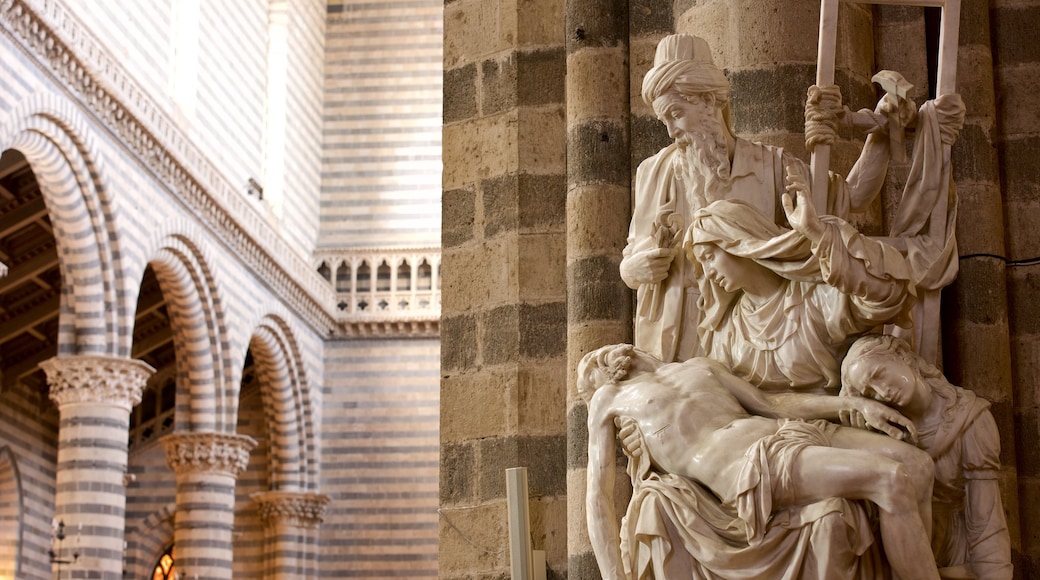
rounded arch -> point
(148, 542)
(288, 408)
(205, 375)
(10, 515)
(56, 140)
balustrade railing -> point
(384, 286)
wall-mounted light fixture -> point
(56, 554)
(253, 187)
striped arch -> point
(10, 515)
(288, 409)
(207, 395)
(55, 139)
(148, 542)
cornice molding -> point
(61, 45)
(410, 327)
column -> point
(599, 305)
(990, 338)
(206, 465)
(504, 308)
(94, 395)
(291, 521)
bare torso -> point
(691, 423)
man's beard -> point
(705, 158)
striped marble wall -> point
(248, 535)
(205, 64)
(303, 138)
(380, 459)
(146, 215)
(382, 125)
(28, 428)
(150, 499)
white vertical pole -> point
(821, 154)
(520, 564)
(927, 320)
(538, 560)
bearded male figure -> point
(706, 163)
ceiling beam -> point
(22, 215)
(17, 372)
(46, 310)
(151, 343)
(32, 268)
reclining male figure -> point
(698, 421)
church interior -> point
(287, 285)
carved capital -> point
(303, 510)
(221, 453)
(96, 379)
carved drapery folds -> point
(96, 379)
(208, 452)
(302, 510)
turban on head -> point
(684, 61)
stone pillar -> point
(291, 521)
(206, 465)
(1016, 66)
(599, 305)
(94, 395)
(504, 305)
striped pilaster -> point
(382, 124)
(598, 211)
(94, 396)
(206, 465)
(291, 521)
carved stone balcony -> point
(385, 291)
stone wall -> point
(379, 458)
(382, 124)
(1016, 63)
(504, 310)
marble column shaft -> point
(291, 521)
(94, 395)
(207, 465)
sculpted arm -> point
(648, 254)
(808, 406)
(867, 176)
(856, 265)
(989, 543)
(599, 500)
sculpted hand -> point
(887, 420)
(647, 266)
(902, 111)
(802, 217)
(628, 435)
(852, 418)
